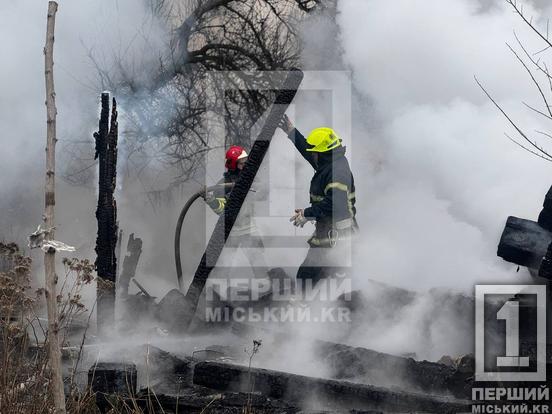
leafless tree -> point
(536, 64)
(54, 350)
(166, 106)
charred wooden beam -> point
(196, 399)
(322, 392)
(345, 362)
(130, 263)
(524, 242)
(106, 214)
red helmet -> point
(234, 154)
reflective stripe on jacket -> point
(332, 194)
(244, 223)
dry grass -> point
(23, 379)
(24, 376)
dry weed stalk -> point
(24, 375)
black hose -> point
(178, 231)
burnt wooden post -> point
(106, 214)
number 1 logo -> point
(510, 313)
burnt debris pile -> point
(216, 380)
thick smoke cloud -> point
(436, 177)
(446, 176)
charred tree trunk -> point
(54, 352)
(106, 214)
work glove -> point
(208, 196)
(299, 219)
(285, 124)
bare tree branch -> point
(167, 108)
(533, 79)
(519, 131)
(519, 11)
(527, 149)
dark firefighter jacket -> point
(244, 223)
(332, 194)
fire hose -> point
(180, 222)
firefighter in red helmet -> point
(244, 233)
(235, 158)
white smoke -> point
(435, 176)
(447, 177)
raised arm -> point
(298, 140)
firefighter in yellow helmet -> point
(332, 201)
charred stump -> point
(112, 380)
(106, 214)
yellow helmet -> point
(323, 140)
